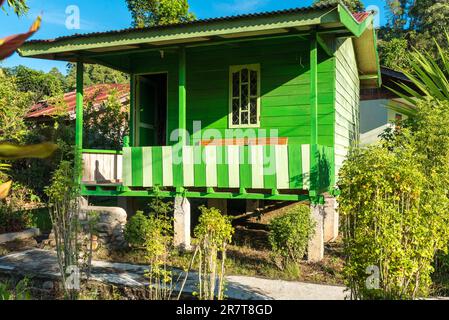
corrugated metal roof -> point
(96, 94)
(361, 16)
(322, 5)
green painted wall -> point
(347, 90)
(285, 86)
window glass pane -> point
(244, 97)
(253, 88)
(235, 111)
(244, 117)
(253, 110)
(245, 75)
(236, 84)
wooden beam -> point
(369, 77)
(182, 120)
(79, 120)
(313, 113)
(324, 46)
(132, 108)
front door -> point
(151, 107)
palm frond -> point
(429, 77)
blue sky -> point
(103, 15)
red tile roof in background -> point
(361, 16)
(98, 93)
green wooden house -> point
(257, 106)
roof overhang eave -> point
(70, 49)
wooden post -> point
(132, 110)
(79, 121)
(313, 115)
(182, 122)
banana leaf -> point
(10, 151)
(4, 189)
(10, 44)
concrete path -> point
(42, 263)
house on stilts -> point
(255, 107)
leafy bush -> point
(13, 220)
(213, 233)
(154, 235)
(18, 291)
(137, 229)
(395, 208)
(290, 234)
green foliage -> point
(64, 208)
(105, 125)
(147, 13)
(63, 187)
(39, 84)
(418, 21)
(431, 79)
(394, 54)
(137, 229)
(13, 220)
(13, 106)
(19, 6)
(213, 227)
(153, 234)
(395, 209)
(352, 5)
(213, 233)
(290, 234)
(94, 74)
(18, 291)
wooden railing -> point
(102, 167)
(279, 167)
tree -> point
(8, 151)
(42, 85)
(352, 5)
(13, 106)
(94, 74)
(107, 124)
(19, 6)
(394, 53)
(428, 74)
(146, 13)
(394, 208)
(417, 21)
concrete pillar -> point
(220, 204)
(315, 250)
(182, 223)
(331, 219)
(252, 206)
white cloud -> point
(240, 6)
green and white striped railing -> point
(255, 167)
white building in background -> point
(380, 108)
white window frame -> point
(233, 69)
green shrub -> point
(137, 230)
(290, 234)
(213, 233)
(13, 220)
(18, 291)
(394, 208)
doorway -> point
(151, 109)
